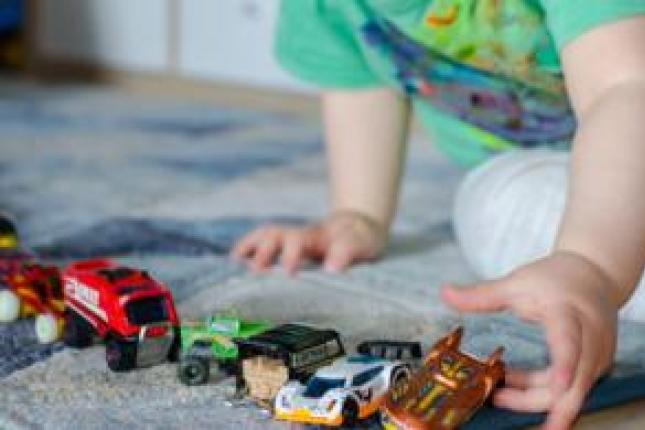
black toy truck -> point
(303, 349)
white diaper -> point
(507, 212)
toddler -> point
(546, 100)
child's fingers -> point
(566, 408)
(315, 242)
(523, 379)
(292, 251)
(245, 246)
(340, 255)
(487, 296)
(265, 252)
(563, 336)
(536, 399)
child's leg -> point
(507, 213)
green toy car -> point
(213, 341)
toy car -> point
(8, 233)
(133, 313)
(303, 349)
(12, 260)
(349, 390)
(29, 289)
(444, 393)
(213, 340)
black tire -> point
(120, 355)
(350, 413)
(194, 370)
(175, 348)
(78, 332)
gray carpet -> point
(168, 185)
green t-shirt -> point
(484, 75)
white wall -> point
(230, 40)
(122, 34)
(218, 40)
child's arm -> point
(575, 293)
(365, 132)
(605, 216)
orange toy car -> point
(446, 391)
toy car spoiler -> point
(391, 349)
(453, 341)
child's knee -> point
(507, 210)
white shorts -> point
(507, 212)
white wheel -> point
(9, 306)
(47, 330)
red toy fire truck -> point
(30, 289)
(133, 313)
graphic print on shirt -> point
(459, 60)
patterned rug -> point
(168, 185)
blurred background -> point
(13, 45)
(164, 45)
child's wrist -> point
(379, 223)
(617, 294)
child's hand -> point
(573, 300)
(339, 240)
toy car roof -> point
(291, 337)
(348, 367)
(111, 276)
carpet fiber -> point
(168, 185)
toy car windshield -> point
(147, 311)
(317, 386)
(224, 325)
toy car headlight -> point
(331, 405)
(285, 402)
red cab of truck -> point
(132, 312)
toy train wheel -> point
(194, 370)
(78, 332)
(120, 355)
(350, 413)
(48, 330)
(9, 306)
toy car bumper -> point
(308, 417)
(154, 349)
